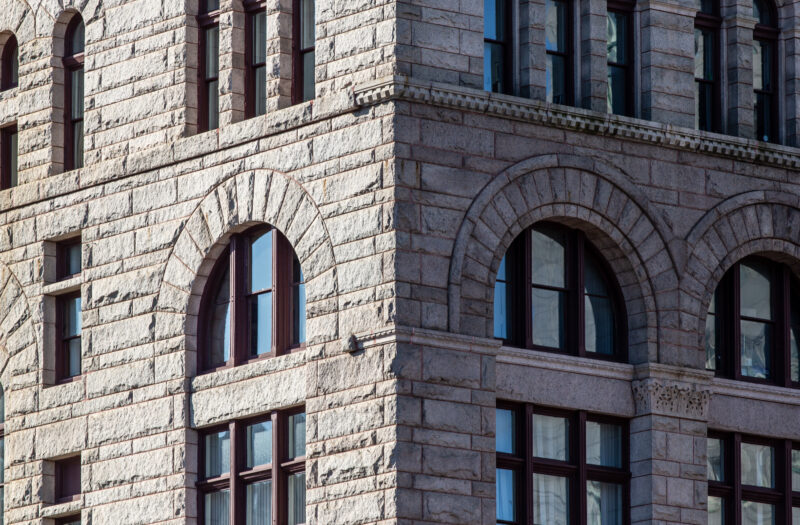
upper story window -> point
(9, 151)
(561, 467)
(619, 27)
(497, 46)
(765, 70)
(73, 94)
(707, 25)
(304, 40)
(753, 324)
(554, 292)
(256, 58)
(208, 21)
(752, 480)
(253, 472)
(558, 42)
(9, 72)
(254, 304)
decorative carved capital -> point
(655, 396)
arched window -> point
(765, 70)
(619, 28)
(558, 43)
(254, 304)
(9, 73)
(707, 25)
(753, 324)
(73, 94)
(554, 292)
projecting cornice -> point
(576, 119)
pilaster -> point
(594, 55)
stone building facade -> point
(400, 188)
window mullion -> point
(239, 320)
(581, 476)
(236, 500)
(278, 477)
(576, 263)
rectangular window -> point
(298, 300)
(68, 326)
(256, 56)
(251, 470)
(496, 46)
(558, 43)
(620, 43)
(8, 158)
(304, 40)
(705, 83)
(576, 460)
(68, 258)
(208, 21)
(68, 479)
(764, 88)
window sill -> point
(565, 363)
(756, 391)
(61, 510)
(65, 286)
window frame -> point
(568, 55)
(576, 469)
(235, 258)
(578, 245)
(205, 21)
(735, 492)
(625, 7)
(62, 341)
(299, 52)
(10, 54)
(728, 320)
(238, 477)
(712, 23)
(72, 62)
(771, 35)
(251, 9)
(7, 153)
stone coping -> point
(565, 363)
(755, 391)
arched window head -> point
(254, 304)
(73, 93)
(765, 71)
(554, 292)
(753, 324)
(9, 72)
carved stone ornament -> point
(654, 396)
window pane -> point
(77, 94)
(259, 24)
(494, 19)
(547, 310)
(72, 316)
(2, 462)
(757, 513)
(711, 336)
(297, 435)
(15, 65)
(550, 437)
(218, 454)
(756, 345)
(76, 43)
(756, 296)
(261, 324)
(2, 420)
(73, 358)
(796, 470)
(617, 28)
(556, 79)
(795, 513)
(212, 52)
(14, 156)
(308, 76)
(210, 5)
(261, 262)
(298, 304)
(220, 340)
(703, 54)
(260, 90)
(599, 325)
(550, 499)
(603, 503)
(555, 33)
(704, 106)
(506, 495)
(217, 508)
(763, 111)
(617, 85)
(758, 465)
(506, 438)
(501, 307)
(603, 444)
(259, 444)
(494, 68)
(213, 104)
(297, 498)
(794, 335)
(715, 459)
(716, 511)
(594, 280)
(308, 29)
(259, 503)
(77, 144)
(548, 256)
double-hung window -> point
(558, 43)
(765, 70)
(304, 41)
(707, 25)
(73, 106)
(619, 29)
(208, 21)
(256, 58)
(497, 46)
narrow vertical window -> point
(208, 21)
(298, 303)
(496, 46)
(2, 452)
(256, 57)
(68, 364)
(8, 159)
(9, 74)
(706, 66)
(620, 44)
(765, 71)
(304, 40)
(68, 479)
(73, 107)
(558, 43)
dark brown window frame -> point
(62, 342)
(734, 492)
(568, 55)
(205, 21)
(728, 325)
(771, 35)
(578, 471)
(508, 51)
(10, 48)
(6, 153)
(299, 52)
(65, 489)
(520, 314)
(235, 258)
(712, 23)
(62, 258)
(251, 8)
(72, 62)
(626, 8)
(237, 478)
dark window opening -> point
(303, 45)
(765, 71)
(707, 25)
(558, 42)
(68, 479)
(497, 54)
(68, 258)
(73, 95)
(8, 157)
(9, 74)
(68, 334)
(256, 58)
(208, 22)
(619, 26)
